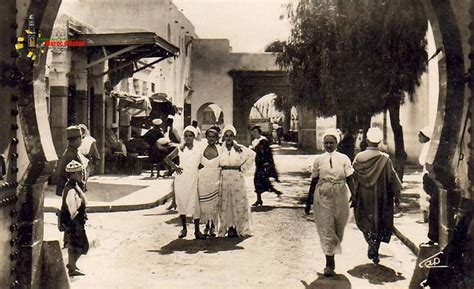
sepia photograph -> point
(244, 144)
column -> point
(82, 99)
(98, 130)
(59, 83)
(306, 128)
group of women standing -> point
(210, 186)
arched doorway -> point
(210, 114)
(268, 112)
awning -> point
(126, 49)
(132, 104)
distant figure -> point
(88, 149)
(115, 149)
(74, 138)
(73, 217)
(265, 165)
(151, 137)
(358, 141)
(171, 132)
(347, 144)
(331, 185)
(430, 190)
(196, 126)
(377, 188)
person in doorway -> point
(208, 183)
(196, 126)
(332, 179)
(170, 132)
(264, 165)
(89, 152)
(74, 138)
(234, 210)
(73, 217)
(151, 137)
(186, 182)
(377, 188)
(429, 198)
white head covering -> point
(73, 166)
(427, 131)
(192, 129)
(332, 132)
(374, 135)
(231, 128)
(157, 121)
(83, 127)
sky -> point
(249, 24)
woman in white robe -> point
(88, 151)
(186, 181)
(332, 174)
(234, 210)
(208, 182)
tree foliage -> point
(276, 46)
(355, 58)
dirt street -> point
(135, 250)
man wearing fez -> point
(74, 138)
(377, 188)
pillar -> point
(82, 99)
(98, 106)
(59, 83)
(306, 128)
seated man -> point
(164, 147)
(115, 150)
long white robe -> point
(234, 207)
(331, 199)
(185, 185)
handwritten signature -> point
(433, 261)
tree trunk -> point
(400, 154)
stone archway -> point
(248, 87)
(450, 20)
(209, 114)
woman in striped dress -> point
(208, 182)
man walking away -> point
(377, 187)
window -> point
(152, 87)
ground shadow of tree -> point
(209, 246)
(376, 274)
(337, 282)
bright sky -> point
(249, 24)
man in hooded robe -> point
(377, 188)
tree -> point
(276, 46)
(356, 58)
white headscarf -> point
(231, 128)
(332, 132)
(191, 129)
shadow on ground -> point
(376, 274)
(337, 282)
(194, 246)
